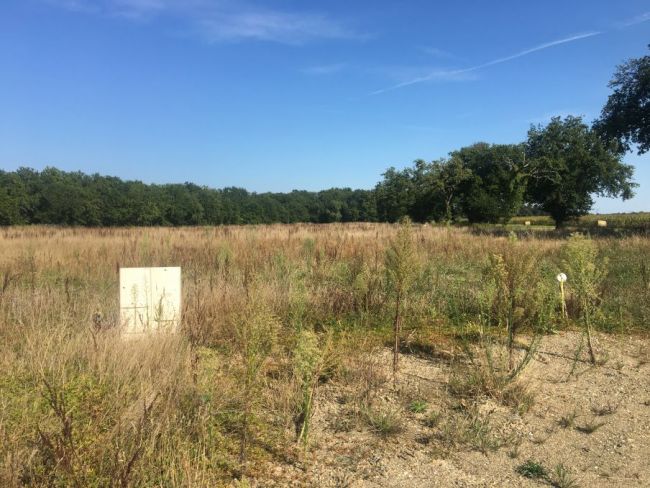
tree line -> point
(556, 171)
(56, 197)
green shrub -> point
(532, 469)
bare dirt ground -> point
(594, 422)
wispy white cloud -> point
(540, 47)
(437, 52)
(438, 74)
(401, 74)
(146, 9)
(639, 19)
(444, 75)
(128, 8)
(225, 20)
(451, 74)
(323, 69)
(262, 25)
(74, 5)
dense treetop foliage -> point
(571, 163)
(494, 190)
(556, 171)
(52, 196)
(626, 115)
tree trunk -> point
(448, 209)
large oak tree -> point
(626, 115)
(494, 189)
(569, 164)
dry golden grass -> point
(81, 407)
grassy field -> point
(634, 221)
(287, 343)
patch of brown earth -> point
(594, 421)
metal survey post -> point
(561, 278)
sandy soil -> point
(613, 398)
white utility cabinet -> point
(150, 299)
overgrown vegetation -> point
(274, 316)
(587, 274)
(400, 272)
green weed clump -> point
(255, 339)
(586, 275)
(384, 422)
(418, 406)
(532, 469)
(314, 359)
(559, 478)
(563, 478)
(400, 272)
(518, 296)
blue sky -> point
(277, 95)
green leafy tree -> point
(111, 194)
(67, 199)
(494, 191)
(424, 199)
(423, 192)
(626, 115)
(13, 199)
(395, 195)
(449, 175)
(569, 163)
(52, 196)
(331, 205)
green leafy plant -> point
(418, 406)
(532, 469)
(513, 273)
(562, 478)
(400, 271)
(255, 333)
(586, 275)
(310, 359)
(384, 422)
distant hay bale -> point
(602, 223)
(527, 222)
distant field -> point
(632, 221)
(283, 372)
